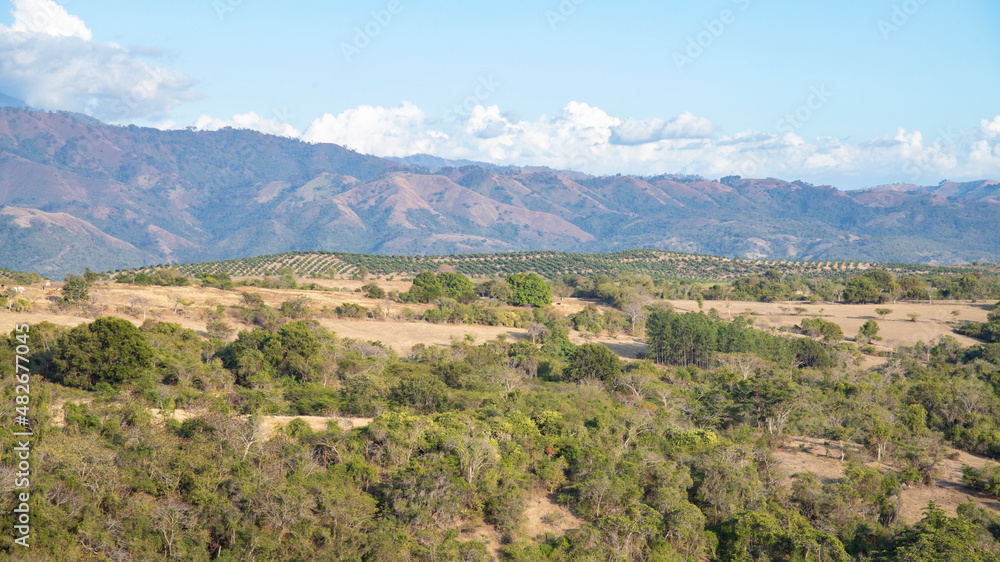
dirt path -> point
(948, 490)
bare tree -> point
(136, 301)
(99, 299)
(474, 455)
(242, 433)
(507, 378)
(743, 364)
(638, 383)
(536, 331)
(634, 309)
(170, 518)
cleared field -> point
(932, 320)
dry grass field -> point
(897, 328)
(187, 305)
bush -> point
(986, 479)
(423, 393)
(373, 291)
(218, 329)
(593, 360)
(351, 310)
(299, 307)
(20, 305)
(829, 331)
(108, 350)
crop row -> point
(548, 264)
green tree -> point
(291, 349)
(882, 278)
(76, 289)
(456, 286)
(108, 350)
(426, 287)
(528, 289)
(829, 331)
(593, 360)
(869, 329)
(862, 289)
(495, 289)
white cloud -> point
(585, 138)
(249, 121)
(394, 131)
(684, 126)
(47, 18)
(991, 127)
(48, 58)
(985, 157)
(687, 146)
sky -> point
(853, 93)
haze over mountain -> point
(75, 193)
(7, 101)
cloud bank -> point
(49, 59)
(585, 138)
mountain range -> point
(76, 193)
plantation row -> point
(550, 265)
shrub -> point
(108, 350)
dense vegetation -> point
(667, 458)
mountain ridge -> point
(140, 196)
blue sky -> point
(853, 93)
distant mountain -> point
(7, 101)
(75, 192)
(435, 163)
